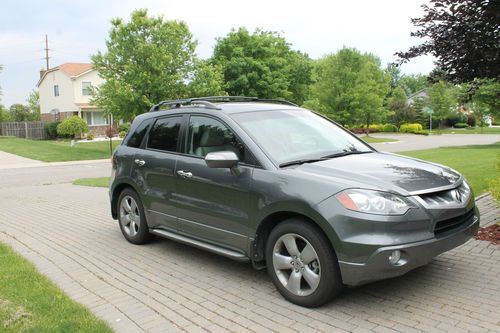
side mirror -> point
(221, 159)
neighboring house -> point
(64, 92)
(421, 94)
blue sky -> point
(77, 29)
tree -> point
(398, 104)
(3, 113)
(34, 105)
(262, 64)
(207, 80)
(413, 83)
(148, 59)
(72, 127)
(19, 112)
(349, 87)
(487, 96)
(462, 35)
(442, 100)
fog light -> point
(394, 257)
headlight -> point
(374, 202)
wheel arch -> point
(116, 190)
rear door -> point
(213, 204)
(154, 170)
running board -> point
(201, 245)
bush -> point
(90, 136)
(72, 126)
(389, 128)
(410, 128)
(51, 129)
(471, 120)
(420, 132)
(122, 134)
(361, 130)
(460, 125)
(124, 128)
(110, 132)
(376, 127)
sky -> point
(77, 29)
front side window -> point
(56, 90)
(86, 88)
(207, 135)
(165, 134)
(289, 135)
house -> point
(421, 94)
(64, 92)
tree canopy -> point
(349, 86)
(148, 59)
(262, 64)
(464, 36)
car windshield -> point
(297, 135)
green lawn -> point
(475, 130)
(372, 139)
(29, 302)
(56, 151)
(477, 163)
(93, 182)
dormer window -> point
(56, 90)
(86, 88)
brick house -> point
(64, 92)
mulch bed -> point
(491, 234)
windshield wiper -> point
(327, 157)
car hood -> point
(383, 171)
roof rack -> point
(209, 101)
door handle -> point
(139, 162)
(185, 174)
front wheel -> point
(132, 218)
(302, 263)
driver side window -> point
(207, 135)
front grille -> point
(445, 225)
(447, 197)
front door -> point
(213, 204)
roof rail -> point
(209, 101)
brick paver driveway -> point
(67, 232)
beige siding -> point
(93, 78)
(65, 101)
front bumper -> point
(413, 255)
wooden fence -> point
(24, 129)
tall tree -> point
(442, 100)
(413, 83)
(463, 35)
(34, 104)
(349, 87)
(487, 96)
(262, 64)
(148, 59)
(398, 105)
(19, 112)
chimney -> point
(42, 71)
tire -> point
(306, 273)
(131, 218)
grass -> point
(29, 302)
(372, 139)
(93, 182)
(56, 151)
(477, 162)
(473, 130)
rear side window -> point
(136, 138)
(165, 134)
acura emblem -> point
(457, 195)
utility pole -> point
(47, 50)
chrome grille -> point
(456, 196)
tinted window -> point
(136, 138)
(208, 135)
(165, 134)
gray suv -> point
(284, 188)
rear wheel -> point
(302, 263)
(131, 218)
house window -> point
(56, 90)
(95, 118)
(86, 88)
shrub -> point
(361, 130)
(122, 134)
(410, 128)
(376, 127)
(389, 128)
(51, 129)
(471, 120)
(110, 132)
(460, 125)
(421, 132)
(124, 127)
(90, 136)
(72, 126)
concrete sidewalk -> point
(11, 161)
